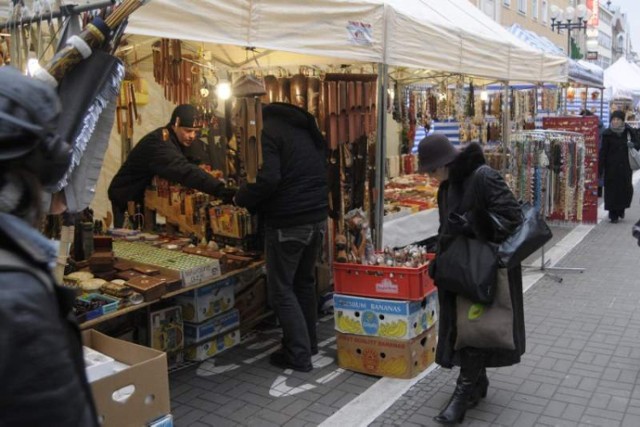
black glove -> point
(227, 194)
(461, 224)
(635, 231)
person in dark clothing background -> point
(42, 373)
(291, 195)
(469, 189)
(614, 165)
(163, 152)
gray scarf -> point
(617, 129)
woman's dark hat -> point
(617, 114)
(435, 151)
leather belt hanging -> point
(248, 124)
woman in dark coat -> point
(470, 188)
(614, 165)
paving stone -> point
(190, 417)
(631, 420)
(296, 407)
(603, 413)
(573, 412)
(275, 417)
(215, 420)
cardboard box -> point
(384, 318)
(215, 346)
(387, 358)
(206, 302)
(147, 373)
(166, 329)
(199, 332)
(166, 421)
(252, 302)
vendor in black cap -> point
(162, 152)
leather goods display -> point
(468, 267)
(248, 119)
(486, 326)
(532, 234)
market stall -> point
(373, 38)
(621, 81)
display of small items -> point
(412, 256)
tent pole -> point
(381, 150)
(506, 125)
(602, 105)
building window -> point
(534, 9)
(522, 6)
(545, 11)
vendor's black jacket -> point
(291, 188)
(167, 159)
(42, 373)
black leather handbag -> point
(530, 236)
(468, 267)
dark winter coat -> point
(42, 373)
(291, 187)
(472, 190)
(167, 159)
(614, 166)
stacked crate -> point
(211, 323)
(385, 318)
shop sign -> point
(594, 7)
(360, 33)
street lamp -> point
(566, 20)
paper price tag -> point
(200, 274)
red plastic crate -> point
(383, 282)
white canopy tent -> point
(622, 80)
(448, 36)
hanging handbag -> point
(483, 325)
(530, 236)
(468, 267)
(634, 155)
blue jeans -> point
(291, 255)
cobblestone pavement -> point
(580, 368)
(583, 348)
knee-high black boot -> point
(463, 398)
(480, 390)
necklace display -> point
(547, 170)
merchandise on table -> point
(193, 269)
(410, 192)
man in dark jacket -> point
(162, 152)
(291, 194)
(42, 373)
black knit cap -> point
(187, 114)
(617, 115)
(435, 151)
